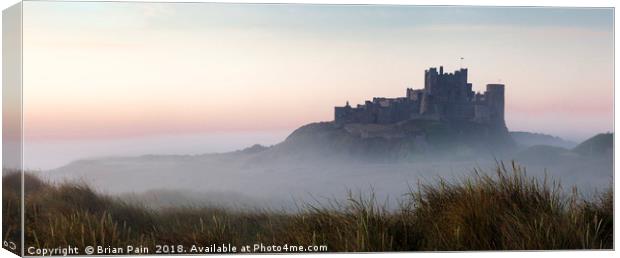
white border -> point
(555, 3)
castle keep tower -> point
(445, 97)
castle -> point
(445, 97)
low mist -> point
(276, 178)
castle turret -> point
(495, 102)
(463, 77)
(430, 80)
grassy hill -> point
(598, 145)
(505, 210)
(593, 149)
(528, 139)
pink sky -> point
(162, 69)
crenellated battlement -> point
(445, 97)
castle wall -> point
(482, 114)
(340, 115)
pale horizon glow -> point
(107, 70)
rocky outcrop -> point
(409, 139)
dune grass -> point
(505, 210)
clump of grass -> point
(359, 224)
(502, 211)
(11, 207)
(505, 210)
(509, 210)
